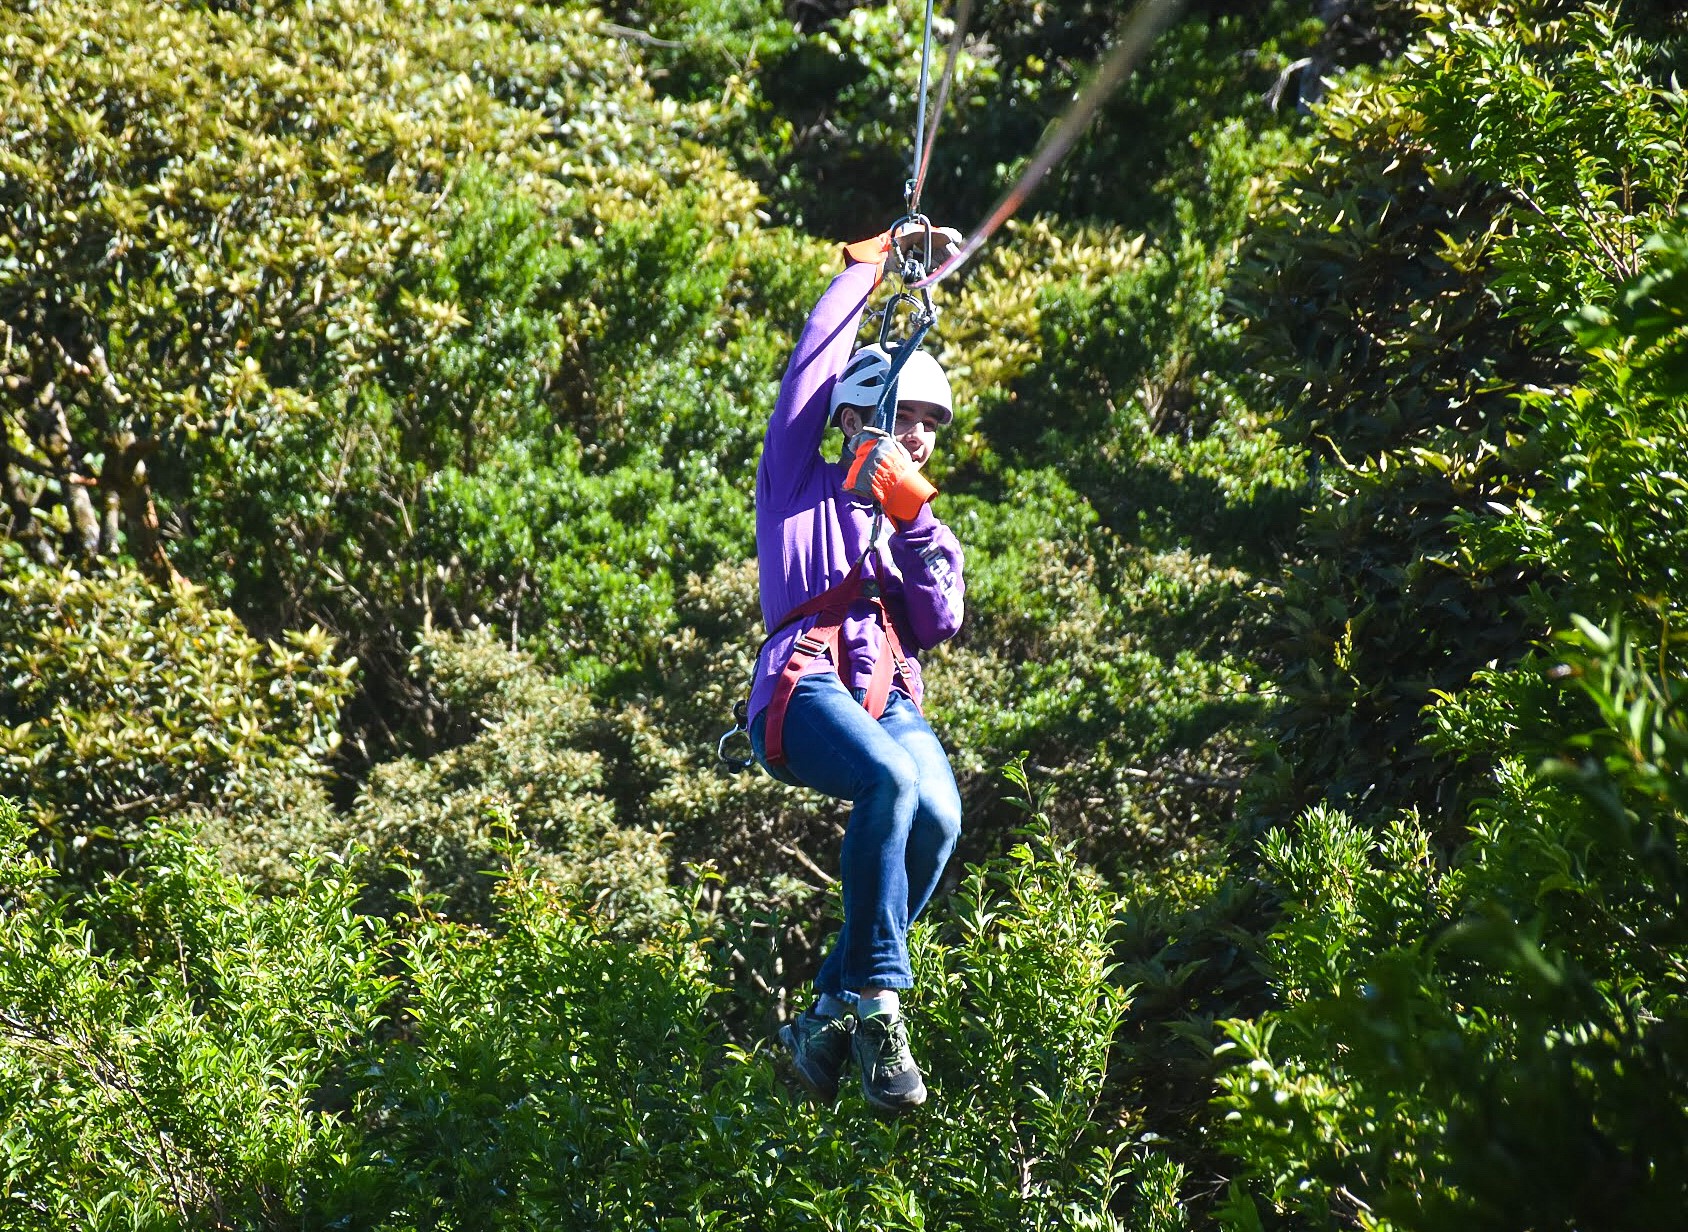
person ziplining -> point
(837, 689)
(859, 576)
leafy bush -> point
(1402, 237)
(125, 702)
(525, 767)
(266, 269)
(1602, 521)
(180, 1052)
(175, 1051)
(1497, 1041)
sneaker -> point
(890, 1078)
(816, 1048)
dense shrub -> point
(449, 329)
(1499, 1041)
(524, 767)
(124, 702)
(173, 1050)
(180, 1052)
(1492, 1037)
(1500, 177)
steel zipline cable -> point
(1140, 29)
(924, 141)
(921, 147)
(1147, 20)
(923, 154)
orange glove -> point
(912, 240)
(871, 251)
(884, 474)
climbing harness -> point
(918, 278)
(830, 608)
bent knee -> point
(893, 775)
(941, 814)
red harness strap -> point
(831, 606)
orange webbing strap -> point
(823, 637)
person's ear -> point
(850, 419)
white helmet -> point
(863, 380)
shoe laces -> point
(891, 1039)
(823, 1028)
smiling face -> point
(916, 428)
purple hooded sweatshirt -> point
(809, 530)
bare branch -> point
(798, 854)
(631, 35)
(1275, 95)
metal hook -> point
(889, 312)
(736, 765)
(913, 269)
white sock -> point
(830, 1006)
(886, 1002)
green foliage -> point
(284, 282)
(828, 123)
(124, 702)
(569, 1103)
(1572, 127)
(1189, 946)
(1603, 519)
(389, 319)
(1128, 376)
(1489, 1037)
(1641, 336)
(1401, 238)
(204, 209)
(1498, 1041)
(526, 769)
(172, 1051)
(1114, 736)
(181, 1052)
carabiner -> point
(736, 765)
(889, 312)
(913, 269)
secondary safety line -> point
(1147, 20)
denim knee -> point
(942, 818)
(895, 776)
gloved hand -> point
(883, 473)
(910, 241)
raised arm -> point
(799, 421)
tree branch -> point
(125, 473)
(631, 35)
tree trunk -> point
(125, 473)
(51, 431)
(25, 529)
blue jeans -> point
(902, 829)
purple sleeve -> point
(800, 416)
(928, 555)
